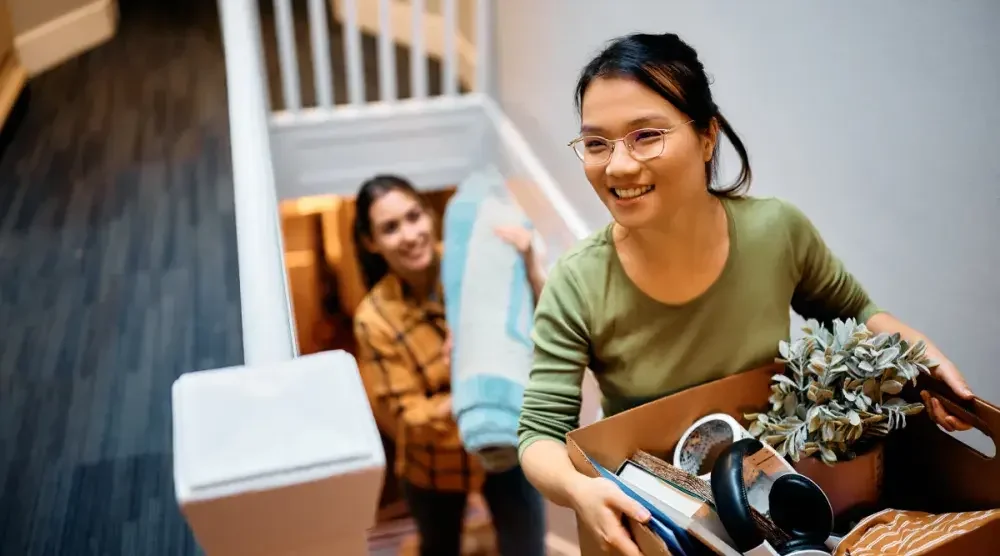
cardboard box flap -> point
(657, 431)
(655, 428)
(962, 478)
(980, 413)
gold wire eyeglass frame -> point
(628, 140)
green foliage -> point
(839, 391)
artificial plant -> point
(839, 391)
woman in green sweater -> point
(691, 282)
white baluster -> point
(418, 52)
(449, 77)
(386, 53)
(352, 53)
(484, 44)
(287, 57)
(319, 33)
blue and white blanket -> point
(489, 309)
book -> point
(683, 507)
(758, 470)
(676, 538)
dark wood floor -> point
(117, 274)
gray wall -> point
(879, 119)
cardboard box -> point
(926, 468)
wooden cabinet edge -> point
(13, 78)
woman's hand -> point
(948, 374)
(600, 504)
(521, 239)
(945, 371)
(443, 409)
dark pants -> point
(516, 508)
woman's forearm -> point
(944, 370)
(547, 465)
(536, 277)
(885, 323)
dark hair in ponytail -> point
(671, 68)
(373, 266)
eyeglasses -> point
(642, 144)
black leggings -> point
(516, 508)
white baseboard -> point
(68, 35)
(401, 20)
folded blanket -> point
(489, 309)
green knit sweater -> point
(590, 314)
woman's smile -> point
(629, 193)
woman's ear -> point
(709, 139)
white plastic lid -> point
(240, 428)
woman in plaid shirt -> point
(404, 356)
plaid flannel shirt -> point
(401, 360)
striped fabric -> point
(489, 308)
(911, 533)
(399, 355)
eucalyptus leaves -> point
(839, 391)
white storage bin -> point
(278, 460)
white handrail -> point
(268, 329)
(511, 137)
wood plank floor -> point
(117, 274)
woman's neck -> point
(421, 285)
(684, 236)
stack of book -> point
(682, 507)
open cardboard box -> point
(926, 469)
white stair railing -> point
(484, 45)
(352, 52)
(268, 330)
(386, 54)
(330, 147)
(319, 37)
(418, 51)
(393, 22)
